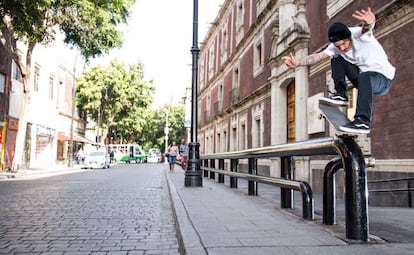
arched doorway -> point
(290, 115)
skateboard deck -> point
(334, 115)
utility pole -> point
(166, 135)
(71, 147)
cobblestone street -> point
(122, 210)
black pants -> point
(367, 83)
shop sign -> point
(45, 131)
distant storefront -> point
(63, 140)
(43, 151)
(10, 141)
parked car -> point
(97, 159)
(154, 156)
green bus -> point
(127, 153)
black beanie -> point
(338, 31)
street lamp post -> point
(166, 135)
(193, 176)
(98, 127)
(100, 113)
(70, 149)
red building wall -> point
(393, 114)
(392, 135)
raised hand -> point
(289, 61)
(366, 16)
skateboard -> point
(334, 115)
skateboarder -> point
(356, 54)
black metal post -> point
(356, 189)
(286, 195)
(329, 191)
(221, 167)
(71, 145)
(410, 203)
(212, 165)
(206, 165)
(193, 176)
(252, 170)
(233, 168)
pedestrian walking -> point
(172, 152)
(80, 155)
(183, 154)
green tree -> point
(89, 25)
(117, 97)
(154, 129)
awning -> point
(75, 137)
(63, 137)
(82, 139)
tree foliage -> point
(154, 128)
(88, 25)
(116, 96)
(124, 100)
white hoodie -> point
(366, 53)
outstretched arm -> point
(306, 61)
(366, 16)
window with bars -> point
(2, 83)
(16, 73)
(258, 58)
(36, 76)
(51, 87)
(240, 14)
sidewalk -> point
(35, 173)
(215, 219)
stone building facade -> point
(248, 98)
(50, 128)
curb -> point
(6, 176)
(188, 239)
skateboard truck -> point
(334, 115)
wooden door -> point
(291, 124)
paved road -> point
(127, 210)
(121, 210)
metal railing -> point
(351, 157)
(409, 188)
(303, 187)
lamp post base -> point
(193, 176)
